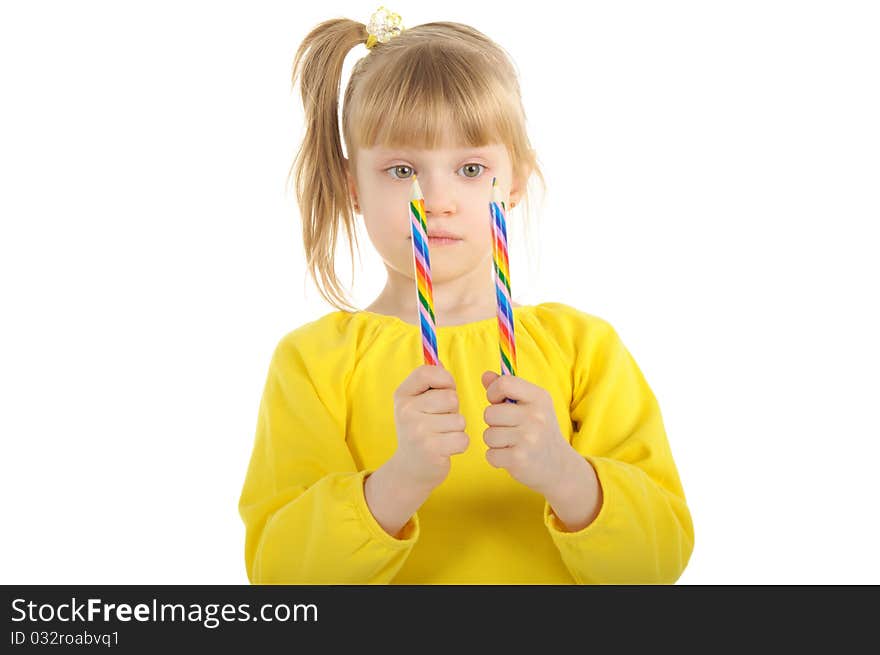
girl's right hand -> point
(429, 428)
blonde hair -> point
(432, 82)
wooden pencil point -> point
(416, 189)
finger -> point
(503, 415)
(441, 423)
(499, 437)
(437, 401)
(500, 458)
(426, 377)
(488, 378)
(449, 444)
(512, 387)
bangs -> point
(432, 98)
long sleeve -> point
(643, 533)
(303, 504)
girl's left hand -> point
(524, 438)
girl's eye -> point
(397, 169)
(403, 172)
(472, 168)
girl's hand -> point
(430, 428)
(524, 438)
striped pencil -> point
(506, 340)
(422, 266)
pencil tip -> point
(496, 191)
(416, 189)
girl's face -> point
(456, 183)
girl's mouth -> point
(441, 241)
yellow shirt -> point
(326, 420)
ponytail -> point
(319, 168)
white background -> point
(713, 193)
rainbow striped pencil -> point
(506, 340)
(422, 266)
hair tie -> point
(384, 25)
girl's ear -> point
(521, 176)
(517, 189)
(352, 187)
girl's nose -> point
(439, 199)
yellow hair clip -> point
(384, 25)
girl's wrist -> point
(405, 484)
(389, 499)
(577, 499)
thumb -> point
(488, 378)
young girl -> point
(370, 467)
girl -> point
(368, 467)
